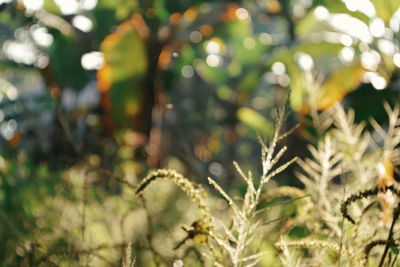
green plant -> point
(350, 185)
(231, 244)
(347, 214)
(350, 178)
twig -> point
(342, 230)
(156, 256)
(389, 239)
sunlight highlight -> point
(265, 38)
(278, 68)
(213, 60)
(377, 81)
(5, 1)
(396, 60)
(88, 4)
(20, 52)
(187, 71)
(33, 5)
(242, 14)
(213, 47)
(357, 30)
(7, 129)
(8, 89)
(305, 61)
(67, 7)
(195, 37)
(346, 40)
(377, 27)
(346, 54)
(92, 61)
(321, 13)
(394, 22)
(82, 23)
(370, 60)
(387, 47)
(363, 6)
(41, 35)
(249, 43)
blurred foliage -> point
(99, 89)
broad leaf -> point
(125, 67)
(255, 121)
(385, 8)
(339, 84)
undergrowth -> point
(349, 207)
(229, 244)
(347, 213)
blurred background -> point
(96, 89)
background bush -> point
(95, 94)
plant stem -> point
(389, 240)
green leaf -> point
(255, 121)
(341, 82)
(298, 82)
(65, 59)
(385, 8)
(105, 20)
(51, 7)
(213, 75)
(299, 231)
(236, 34)
(249, 82)
(121, 8)
(394, 249)
(123, 72)
(161, 11)
(309, 25)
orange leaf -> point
(340, 83)
(120, 79)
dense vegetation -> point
(199, 133)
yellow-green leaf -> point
(121, 77)
(255, 121)
(385, 8)
(339, 84)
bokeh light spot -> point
(213, 60)
(82, 23)
(242, 14)
(92, 61)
